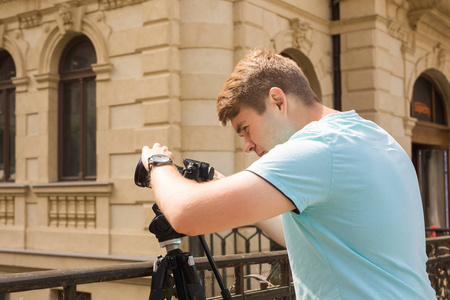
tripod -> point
(185, 276)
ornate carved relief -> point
(298, 37)
(396, 11)
(7, 210)
(402, 33)
(69, 17)
(72, 18)
(30, 19)
(439, 56)
(302, 33)
(72, 211)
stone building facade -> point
(157, 68)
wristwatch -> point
(158, 160)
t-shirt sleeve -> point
(300, 169)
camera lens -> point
(141, 177)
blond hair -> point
(253, 77)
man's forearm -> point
(172, 193)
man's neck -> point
(311, 113)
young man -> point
(348, 193)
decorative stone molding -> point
(71, 21)
(423, 4)
(402, 33)
(431, 12)
(14, 43)
(69, 17)
(21, 83)
(6, 210)
(74, 204)
(47, 81)
(72, 211)
(112, 4)
(102, 71)
(30, 19)
(9, 195)
(302, 33)
(439, 56)
(408, 124)
(298, 37)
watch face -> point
(160, 159)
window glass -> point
(12, 135)
(422, 104)
(7, 67)
(2, 134)
(91, 129)
(7, 118)
(77, 157)
(440, 110)
(427, 103)
(80, 56)
(71, 129)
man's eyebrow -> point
(239, 128)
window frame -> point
(428, 135)
(82, 76)
(7, 87)
(435, 88)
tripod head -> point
(161, 228)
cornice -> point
(433, 13)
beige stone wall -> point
(386, 46)
(160, 65)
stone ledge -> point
(10, 189)
(79, 188)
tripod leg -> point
(190, 275)
(186, 277)
(158, 279)
(224, 291)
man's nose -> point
(249, 146)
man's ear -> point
(278, 97)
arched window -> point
(77, 112)
(427, 102)
(7, 118)
(430, 150)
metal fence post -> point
(70, 292)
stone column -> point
(206, 51)
(372, 65)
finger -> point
(156, 145)
(145, 156)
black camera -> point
(194, 170)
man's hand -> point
(218, 175)
(156, 149)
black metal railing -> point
(245, 239)
(274, 283)
(68, 279)
(438, 264)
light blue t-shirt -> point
(360, 231)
